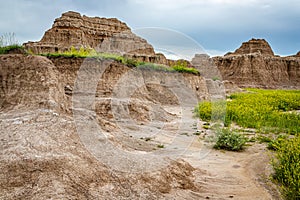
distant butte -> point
(254, 65)
(103, 34)
(260, 46)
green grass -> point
(183, 69)
(7, 49)
(264, 110)
(91, 53)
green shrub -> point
(287, 167)
(229, 140)
(215, 78)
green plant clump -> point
(287, 167)
(190, 70)
(229, 140)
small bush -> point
(287, 167)
(229, 140)
(215, 78)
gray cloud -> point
(218, 25)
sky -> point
(218, 26)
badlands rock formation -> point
(255, 46)
(254, 65)
(102, 34)
(42, 155)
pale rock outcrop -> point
(254, 65)
(102, 34)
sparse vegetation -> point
(155, 67)
(7, 49)
(91, 53)
(229, 140)
(8, 43)
(161, 146)
(215, 78)
(184, 66)
(190, 70)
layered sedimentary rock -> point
(260, 46)
(254, 65)
(101, 34)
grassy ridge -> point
(91, 53)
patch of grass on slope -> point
(91, 53)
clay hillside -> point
(95, 127)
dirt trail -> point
(221, 174)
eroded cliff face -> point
(29, 82)
(102, 34)
(42, 154)
(254, 65)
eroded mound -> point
(29, 81)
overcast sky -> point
(218, 26)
